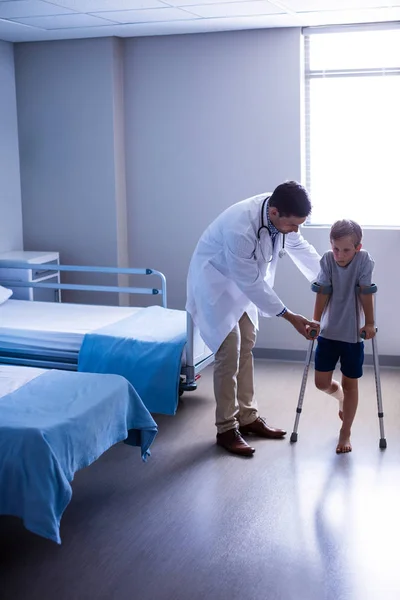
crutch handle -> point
(313, 333)
(364, 335)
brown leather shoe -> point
(260, 428)
(233, 442)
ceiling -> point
(34, 20)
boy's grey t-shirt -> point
(341, 319)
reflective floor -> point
(293, 522)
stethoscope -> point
(282, 251)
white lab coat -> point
(231, 272)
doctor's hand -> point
(300, 323)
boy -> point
(342, 295)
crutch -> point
(293, 437)
(319, 289)
(382, 441)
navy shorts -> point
(351, 357)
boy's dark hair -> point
(291, 200)
(346, 227)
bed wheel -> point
(186, 387)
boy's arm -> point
(323, 293)
(366, 297)
(367, 302)
(321, 301)
(323, 289)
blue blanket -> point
(55, 425)
(146, 348)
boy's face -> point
(344, 250)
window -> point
(352, 117)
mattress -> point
(55, 326)
(12, 378)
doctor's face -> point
(285, 224)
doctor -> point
(230, 281)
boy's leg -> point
(325, 383)
(326, 357)
(350, 403)
(352, 359)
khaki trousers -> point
(234, 378)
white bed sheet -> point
(12, 378)
(62, 326)
(54, 325)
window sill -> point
(364, 227)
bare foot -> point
(344, 444)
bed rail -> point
(93, 288)
(66, 360)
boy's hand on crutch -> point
(313, 330)
(368, 331)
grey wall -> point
(210, 120)
(71, 150)
(10, 190)
(194, 123)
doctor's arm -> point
(303, 254)
(245, 272)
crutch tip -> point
(382, 443)
(293, 437)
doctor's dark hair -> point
(291, 200)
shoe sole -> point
(246, 455)
(268, 437)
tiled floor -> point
(293, 522)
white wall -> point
(69, 96)
(10, 189)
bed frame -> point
(68, 360)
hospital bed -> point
(54, 423)
(162, 358)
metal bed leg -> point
(293, 437)
(188, 380)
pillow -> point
(4, 294)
